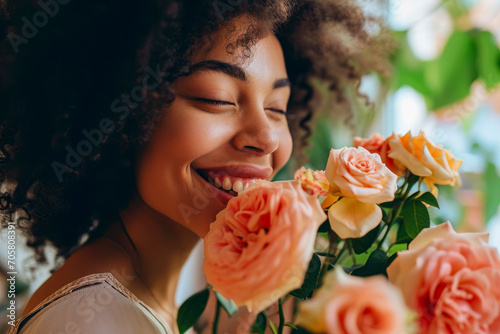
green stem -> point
(351, 250)
(385, 236)
(216, 319)
(332, 249)
(405, 196)
(394, 217)
(282, 317)
(400, 189)
(337, 259)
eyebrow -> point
(232, 70)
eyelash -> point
(216, 102)
(224, 103)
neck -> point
(162, 246)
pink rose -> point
(451, 280)
(363, 181)
(259, 247)
(380, 145)
(314, 182)
(347, 304)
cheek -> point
(284, 151)
(184, 135)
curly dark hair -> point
(82, 84)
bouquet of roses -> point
(353, 244)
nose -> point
(257, 134)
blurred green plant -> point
(467, 56)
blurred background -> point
(446, 82)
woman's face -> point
(225, 129)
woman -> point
(127, 127)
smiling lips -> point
(234, 179)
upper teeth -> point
(236, 186)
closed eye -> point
(216, 102)
(279, 111)
(226, 103)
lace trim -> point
(83, 281)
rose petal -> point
(350, 218)
(450, 280)
(436, 161)
(347, 304)
(398, 152)
(329, 200)
(259, 247)
(358, 174)
(444, 230)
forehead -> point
(265, 59)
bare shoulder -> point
(97, 257)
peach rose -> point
(259, 247)
(452, 281)
(363, 181)
(314, 182)
(347, 304)
(426, 159)
(380, 145)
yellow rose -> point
(426, 159)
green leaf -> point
(438, 80)
(390, 205)
(412, 180)
(488, 59)
(397, 248)
(491, 190)
(428, 198)
(325, 227)
(347, 270)
(447, 84)
(402, 235)
(361, 245)
(191, 310)
(291, 325)
(413, 196)
(416, 217)
(310, 280)
(228, 305)
(409, 70)
(391, 259)
(260, 324)
(375, 265)
(385, 213)
(300, 330)
(325, 254)
(320, 144)
(273, 328)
